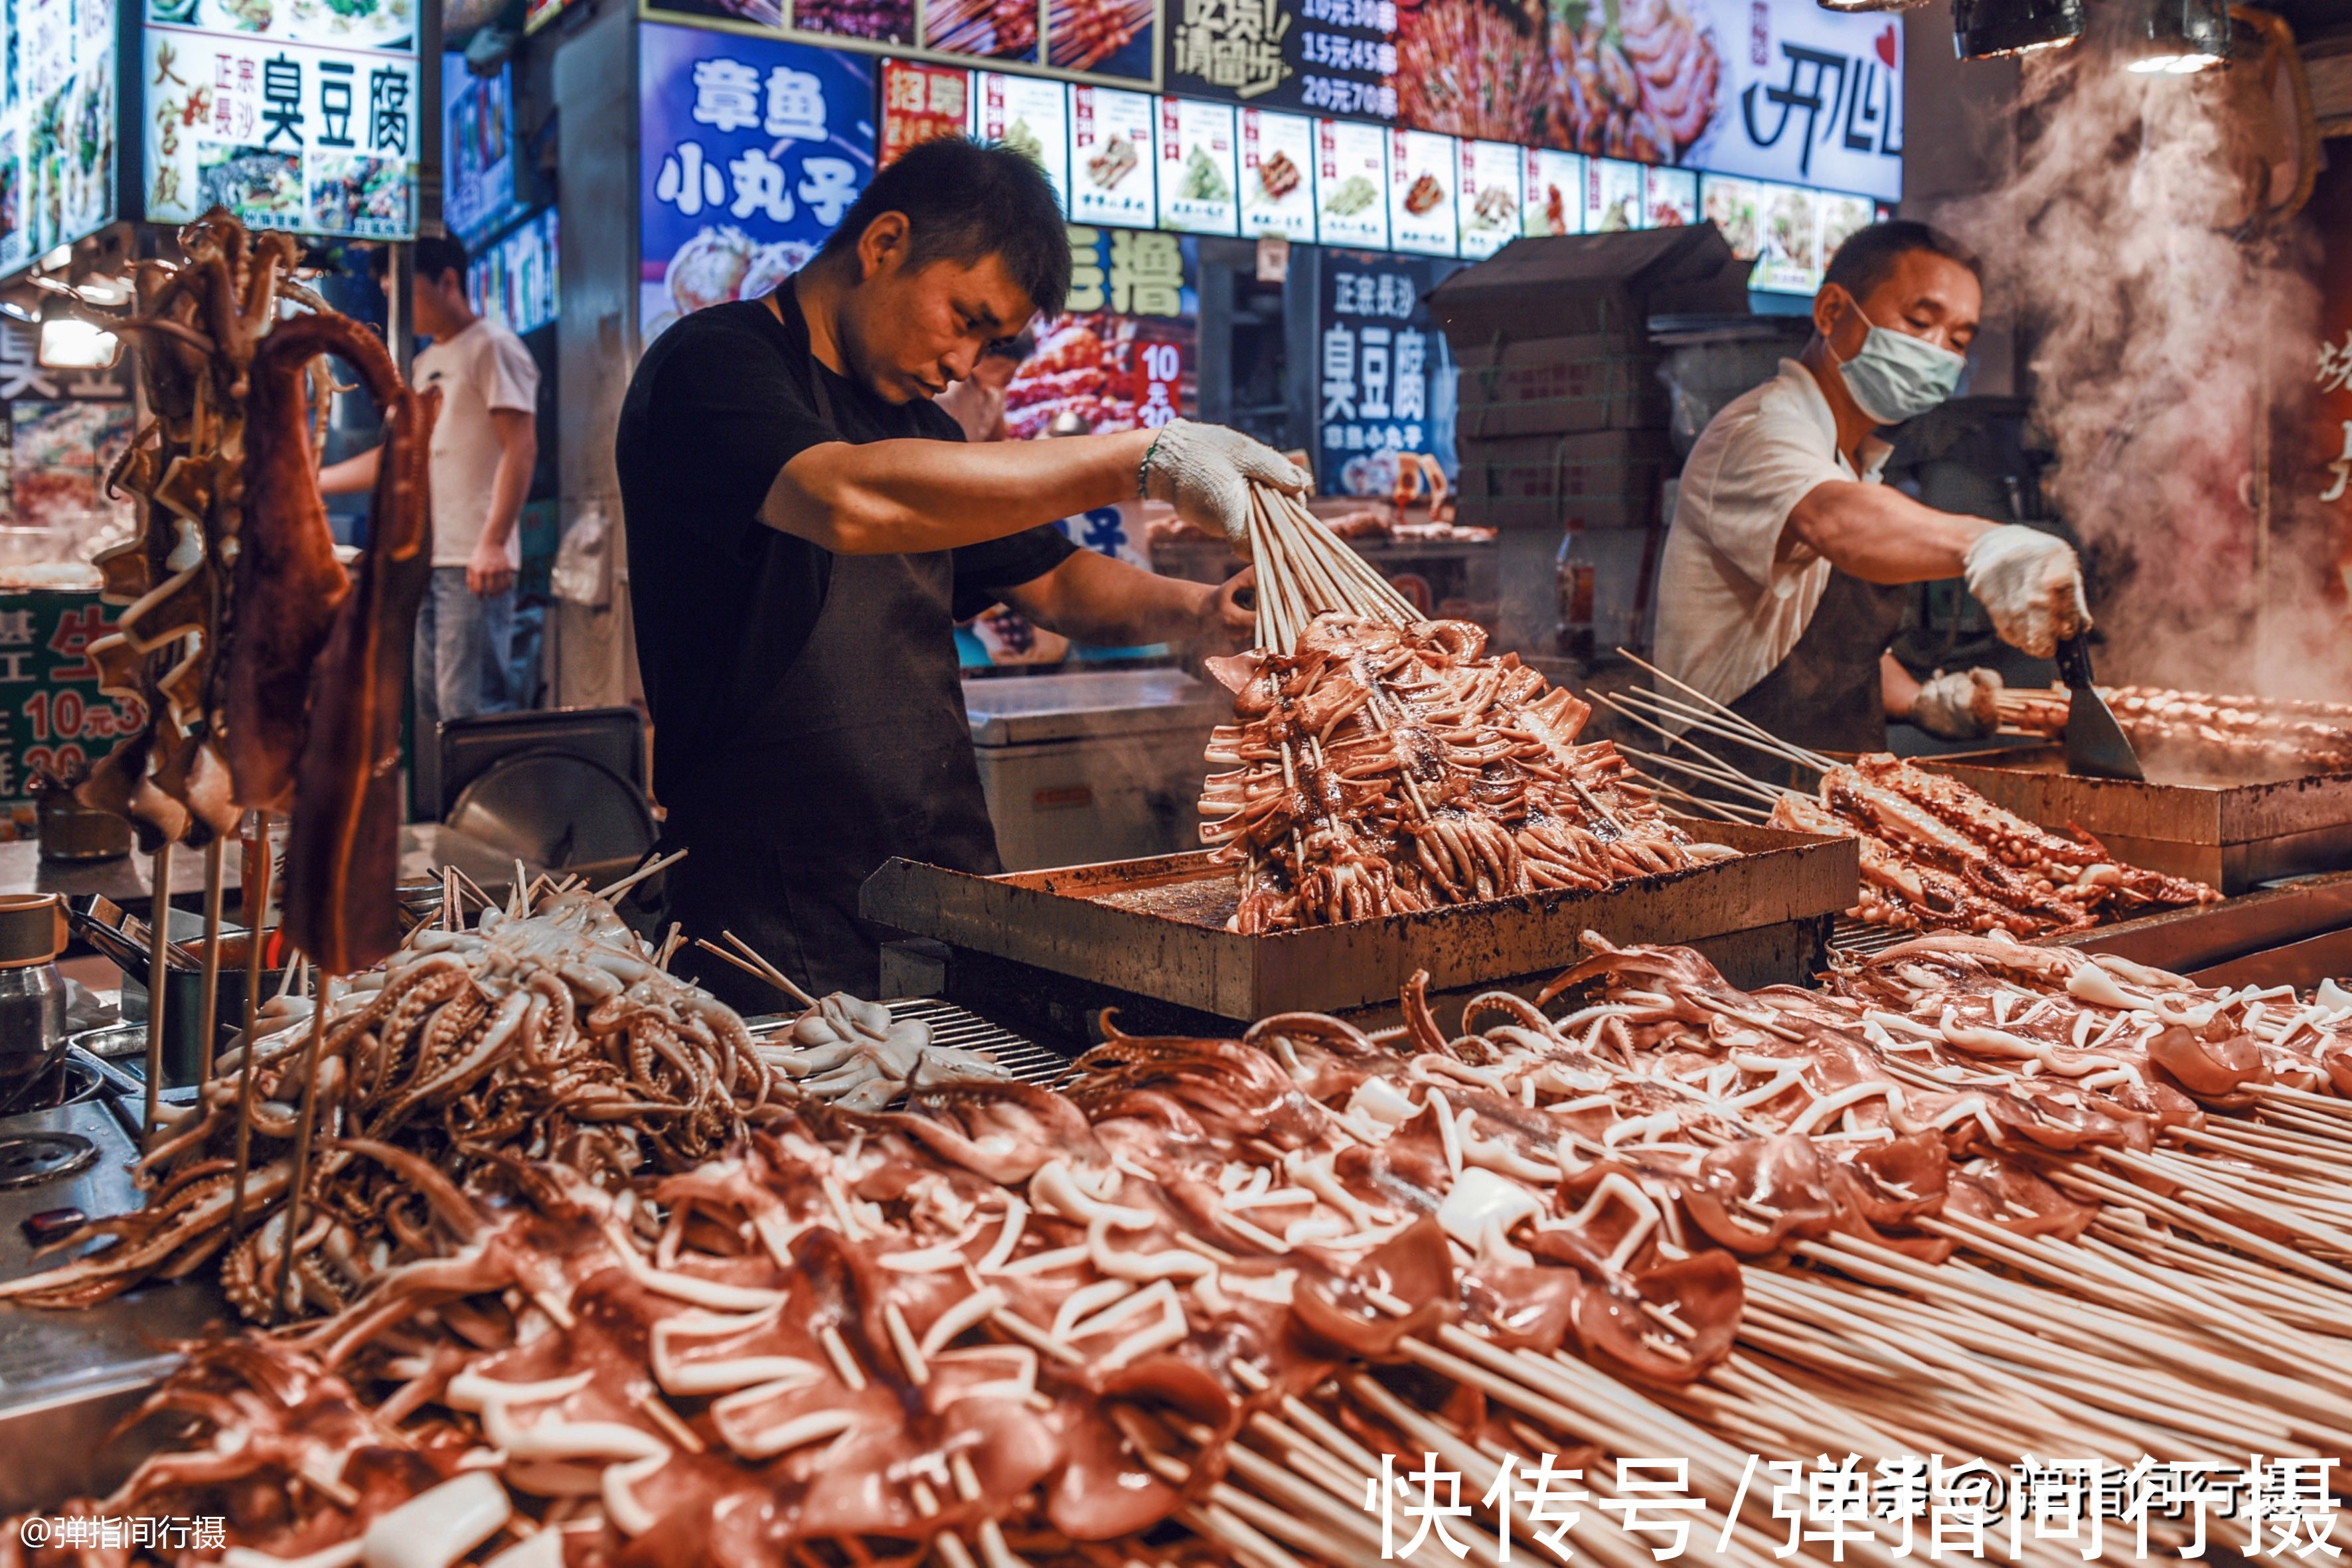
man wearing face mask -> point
(1781, 585)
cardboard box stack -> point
(1564, 419)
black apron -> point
(1827, 695)
(872, 758)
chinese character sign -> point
(921, 103)
(1330, 56)
(1776, 89)
(1380, 366)
(1121, 357)
(52, 715)
(749, 151)
(285, 134)
(1816, 99)
(2323, 465)
(58, 118)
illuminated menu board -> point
(1490, 197)
(1278, 174)
(1198, 170)
(1351, 185)
(1421, 178)
(1613, 195)
(1554, 202)
(1783, 91)
(293, 114)
(57, 124)
(1669, 198)
(513, 281)
(1111, 165)
(1030, 116)
(479, 190)
(1788, 231)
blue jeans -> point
(462, 647)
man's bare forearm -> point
(1879, 534)
(910, 496)
(509, 487)
(353, 476)
(1093, 599)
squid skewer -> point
(159, 975)
(208, 991)
(256, 888)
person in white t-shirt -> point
(484, 442)
(1778, 592)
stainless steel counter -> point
(69, 1378)
(1088, 765)
(129, 879)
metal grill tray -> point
(2233, 835)
(1154, 928)
(1865, 939)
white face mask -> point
(1898, 377)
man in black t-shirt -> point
(805, 528)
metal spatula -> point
(2095, 746)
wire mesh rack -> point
(1863, 939)
(1024, 1058)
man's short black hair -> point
(434, 254)
(963, 203)
(1868, 255)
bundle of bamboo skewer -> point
(1935, 855)
(1305, 570)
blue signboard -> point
(749, 151)
(1385, 378)
(479, 160)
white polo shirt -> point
(1730, 607)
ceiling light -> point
(2177, 37)
(70, 343)
(1987, 29)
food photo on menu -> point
(1640, 79)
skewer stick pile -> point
(1304, 571)
(1975, 1199)
(1382, 763)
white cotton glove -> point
(2031, 584)
(1204, 472)
(1962, 706)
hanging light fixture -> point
(1851, 5)
(2179, 38)
(1987, 29)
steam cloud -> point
(2160, 331)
